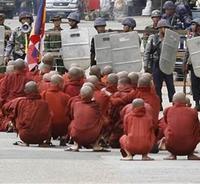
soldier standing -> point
(152, 29)
(18, 42)
(195, 81)
(152, 56)
(74, 20)
(100, 26)
(53, 43)
(7, 29)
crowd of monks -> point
(105, 109)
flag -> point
(35, 47)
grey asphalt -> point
(54, 165)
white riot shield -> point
(194, 50)
(2, 37)
(169, 51)
(126, 52)
(103, 50)
(75, 47)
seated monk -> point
(182, 133)
(73, 86)
(96, 71)
(12, 85)
(31, 116)
(105, 72)
(58, 101)
(111, 84)
(124, 87)
(133, 76)
(139, 132)
(86, 126)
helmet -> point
(25, 14)
(181, 9)
(169, 5)
(155, 13)
(163, 23)
(74, 16)
(196, 21)
(99, 22)
(129, 22)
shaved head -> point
(133, 77)
(144, 82)
(107, 70)
(74, 73)
(86, 93)
(112, 79)
(89, 84)
(138, 102)
(122, 74)
(57, 79)
(95, 70)
(124, 81)
(31, 87)
(44, 68)
(9, 68)
(46, 77)
(93, 79)
(179, 98)
(48, 59)
(19, 64)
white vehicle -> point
(60, 7)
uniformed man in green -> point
(152, 29)
(7, 29)
(53, 43)
(19, 39)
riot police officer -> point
(53, 43)
(152, 55)
(100, 26)
(195, 81)
(129, 24)
(18, 41)
(151, 29)
(74, 20)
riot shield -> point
(168, 52)
(2, 37)
(103, 49)
(75, 47)
(126, 52)
(193, 47)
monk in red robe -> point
(122, 74)
(58, 101)
(73, 86)
(182, 133)
(13, 84)
(86, 126)
(139, 133)
(124, 87)
(45, 83)
(31, 115)
(105, 72)
(96, 71)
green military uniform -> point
(17, 44)
(7, 34)
(53, 43)
(149, 30)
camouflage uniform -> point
(16, 44)
(7, 34)
(148, 31)
(53, 43)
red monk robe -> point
(57, 101)
(32, 118)
(183, 129)
(139, 135)
(72, 87)
(12, 86)
(114, 113)
(43, 85)
(86, 125)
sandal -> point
(20, 143)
